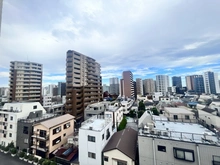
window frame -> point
(175, 150)
(92, 155)
(91, 138)
(161, 148)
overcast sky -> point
(173, 37)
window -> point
(42, 144)
(26, 141)
(119, 162)
(25, 130)
(56, 130)
(10, 134)
(64, 134)
(10, 126)
(11, 118)
(161, 148)
(35, 107)
(216, 160)
(91, 138)
(107, 134)
(175, 117)
(187, 117)
(184, 154)
(56, 141)
(67, 125)
(91, 155)
(103, 136)
(106, 158)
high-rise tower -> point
(211, 82)
(25, 81)
(162, 83)
(126, 84)
(83, 83)
(114, 86)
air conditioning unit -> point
(165, 133)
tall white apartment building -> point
(94, 134)
(25, 81)
(162, 83)
(211, 83)
(139, 86)
(9, 115)
(47, 100)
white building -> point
(215, 105)
(9, 115)
(162, 83)
(115, 114)
(177, 143)
(105, 88)
(157, 95)
(94, 134)
(47, 100)
(179, 114)
(127, 105)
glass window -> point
(91, 138)
(175, 117)
(35, 107)
(216, 160)
(121, 162)
(10, 134)
(10, 126)
(11, 118)
(161, 148)
(91, 155)
(184, 154)
(25, 130)
(187, 117)
(106, 158)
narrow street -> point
(6, 159)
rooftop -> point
(125, 141)
(112, 108)
(191, 132)
(95, 123)
(56, 121)
(178, 110)
(37, 119)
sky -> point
(147, 37)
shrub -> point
(30, 157)
(46, 162)
(6, 148)
(41, 161)
(13, 150)
(21, 154)
(35, 159)
(53, 163)
(25, 156)
(11, 145)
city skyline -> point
(146, 37)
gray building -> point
(114, 86)
(176, 81)
(61, 89)
(176, 143)
(25, 128)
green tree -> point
(140, 113)
(122, 125)
(155, 111)
(132, 113)
(141, 105)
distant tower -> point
(162, 82)
(126, 84)
(211, 82)
(25, 81)
(139, 86)
(114, 86)
(176, 81)
(195, 83)
(149, 86)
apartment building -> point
(211, 83)
(121, 148)
(149, 86)
(94, 134)
(25, 81)
(139, 86)
(177, 81)
(83, 83)
(61, 89)
(195, 83)
(162, 83)
(9, 116)
(25, 128)
(114, 86)
(51, 134)
(177, 143)
(126, 84)
(179, 114)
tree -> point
(155, 111)
(122, 125)
(141, 105)
(132, 113)
(140, 113)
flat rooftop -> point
(178, 110)
(112, 108)
(191, 132)
(95, 123)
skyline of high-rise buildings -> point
(126, 84)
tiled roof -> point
(125, 141)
